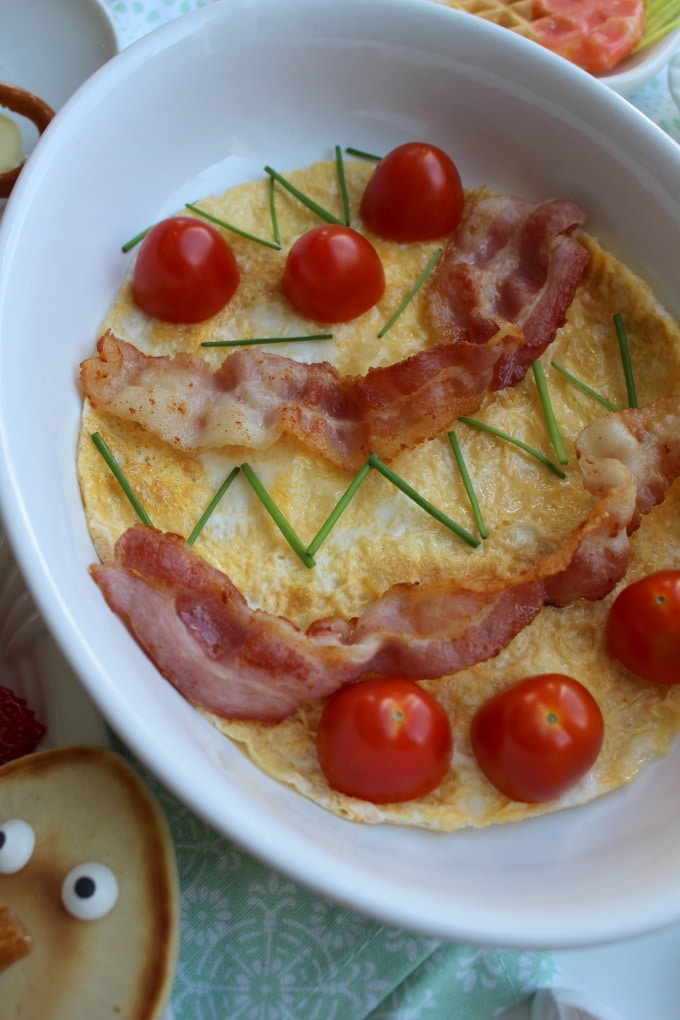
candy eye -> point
(89, 891)
(17, 840)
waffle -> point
(595, 36)
(514, 14)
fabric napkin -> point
(257, 945)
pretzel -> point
(26, 105)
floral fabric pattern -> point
(257, 946)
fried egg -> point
(383, 537)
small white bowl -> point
(200, 104)
(639, 68)
(49, 47)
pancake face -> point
(384, 538)
(89, 812)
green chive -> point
(625, 359)
(586, 389)
(338, 509)
(467, 482)
(278, 517)
(515, 442)
(361, 154)
(135, 240)
(411, 294)
(234, 230)
(113, 465)
(203, 519)
(266, 340)
(661, 17)
(548, 412)
(272, 213)
(343, 183)
(438, 515)
(324, 214)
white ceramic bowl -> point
(202, 103)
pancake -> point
(114, 954)
(382, 537)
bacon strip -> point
(256, 396)
(509, 276)
(244, 663)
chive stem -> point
(549, 413)
(411, 294)
(266, 340)
(271, 200)
(661, 17)
(134, 240)
(207, 513)
(338, 509)
(324, 214)
(515, 442)
(343, 184)
(229, 226)
(625, 359)
(586, 389)
(467, 482)
(115, 469)
(375, 461)
(284, 526)
(361, 154)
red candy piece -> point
(20, 731)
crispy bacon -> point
(255, 396)
(508, 276)
(490, 333)
(244, 663)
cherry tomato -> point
(333, 274)
(185, 271)
(384, 740)
(643, 627)
(414, 194)
(538, 737)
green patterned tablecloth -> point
(257, 946)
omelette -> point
(384, 538)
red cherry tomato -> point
(643, 627)
(538, 737)
(414, 194)
(185, 271)
(384, 740)
(333, 274)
